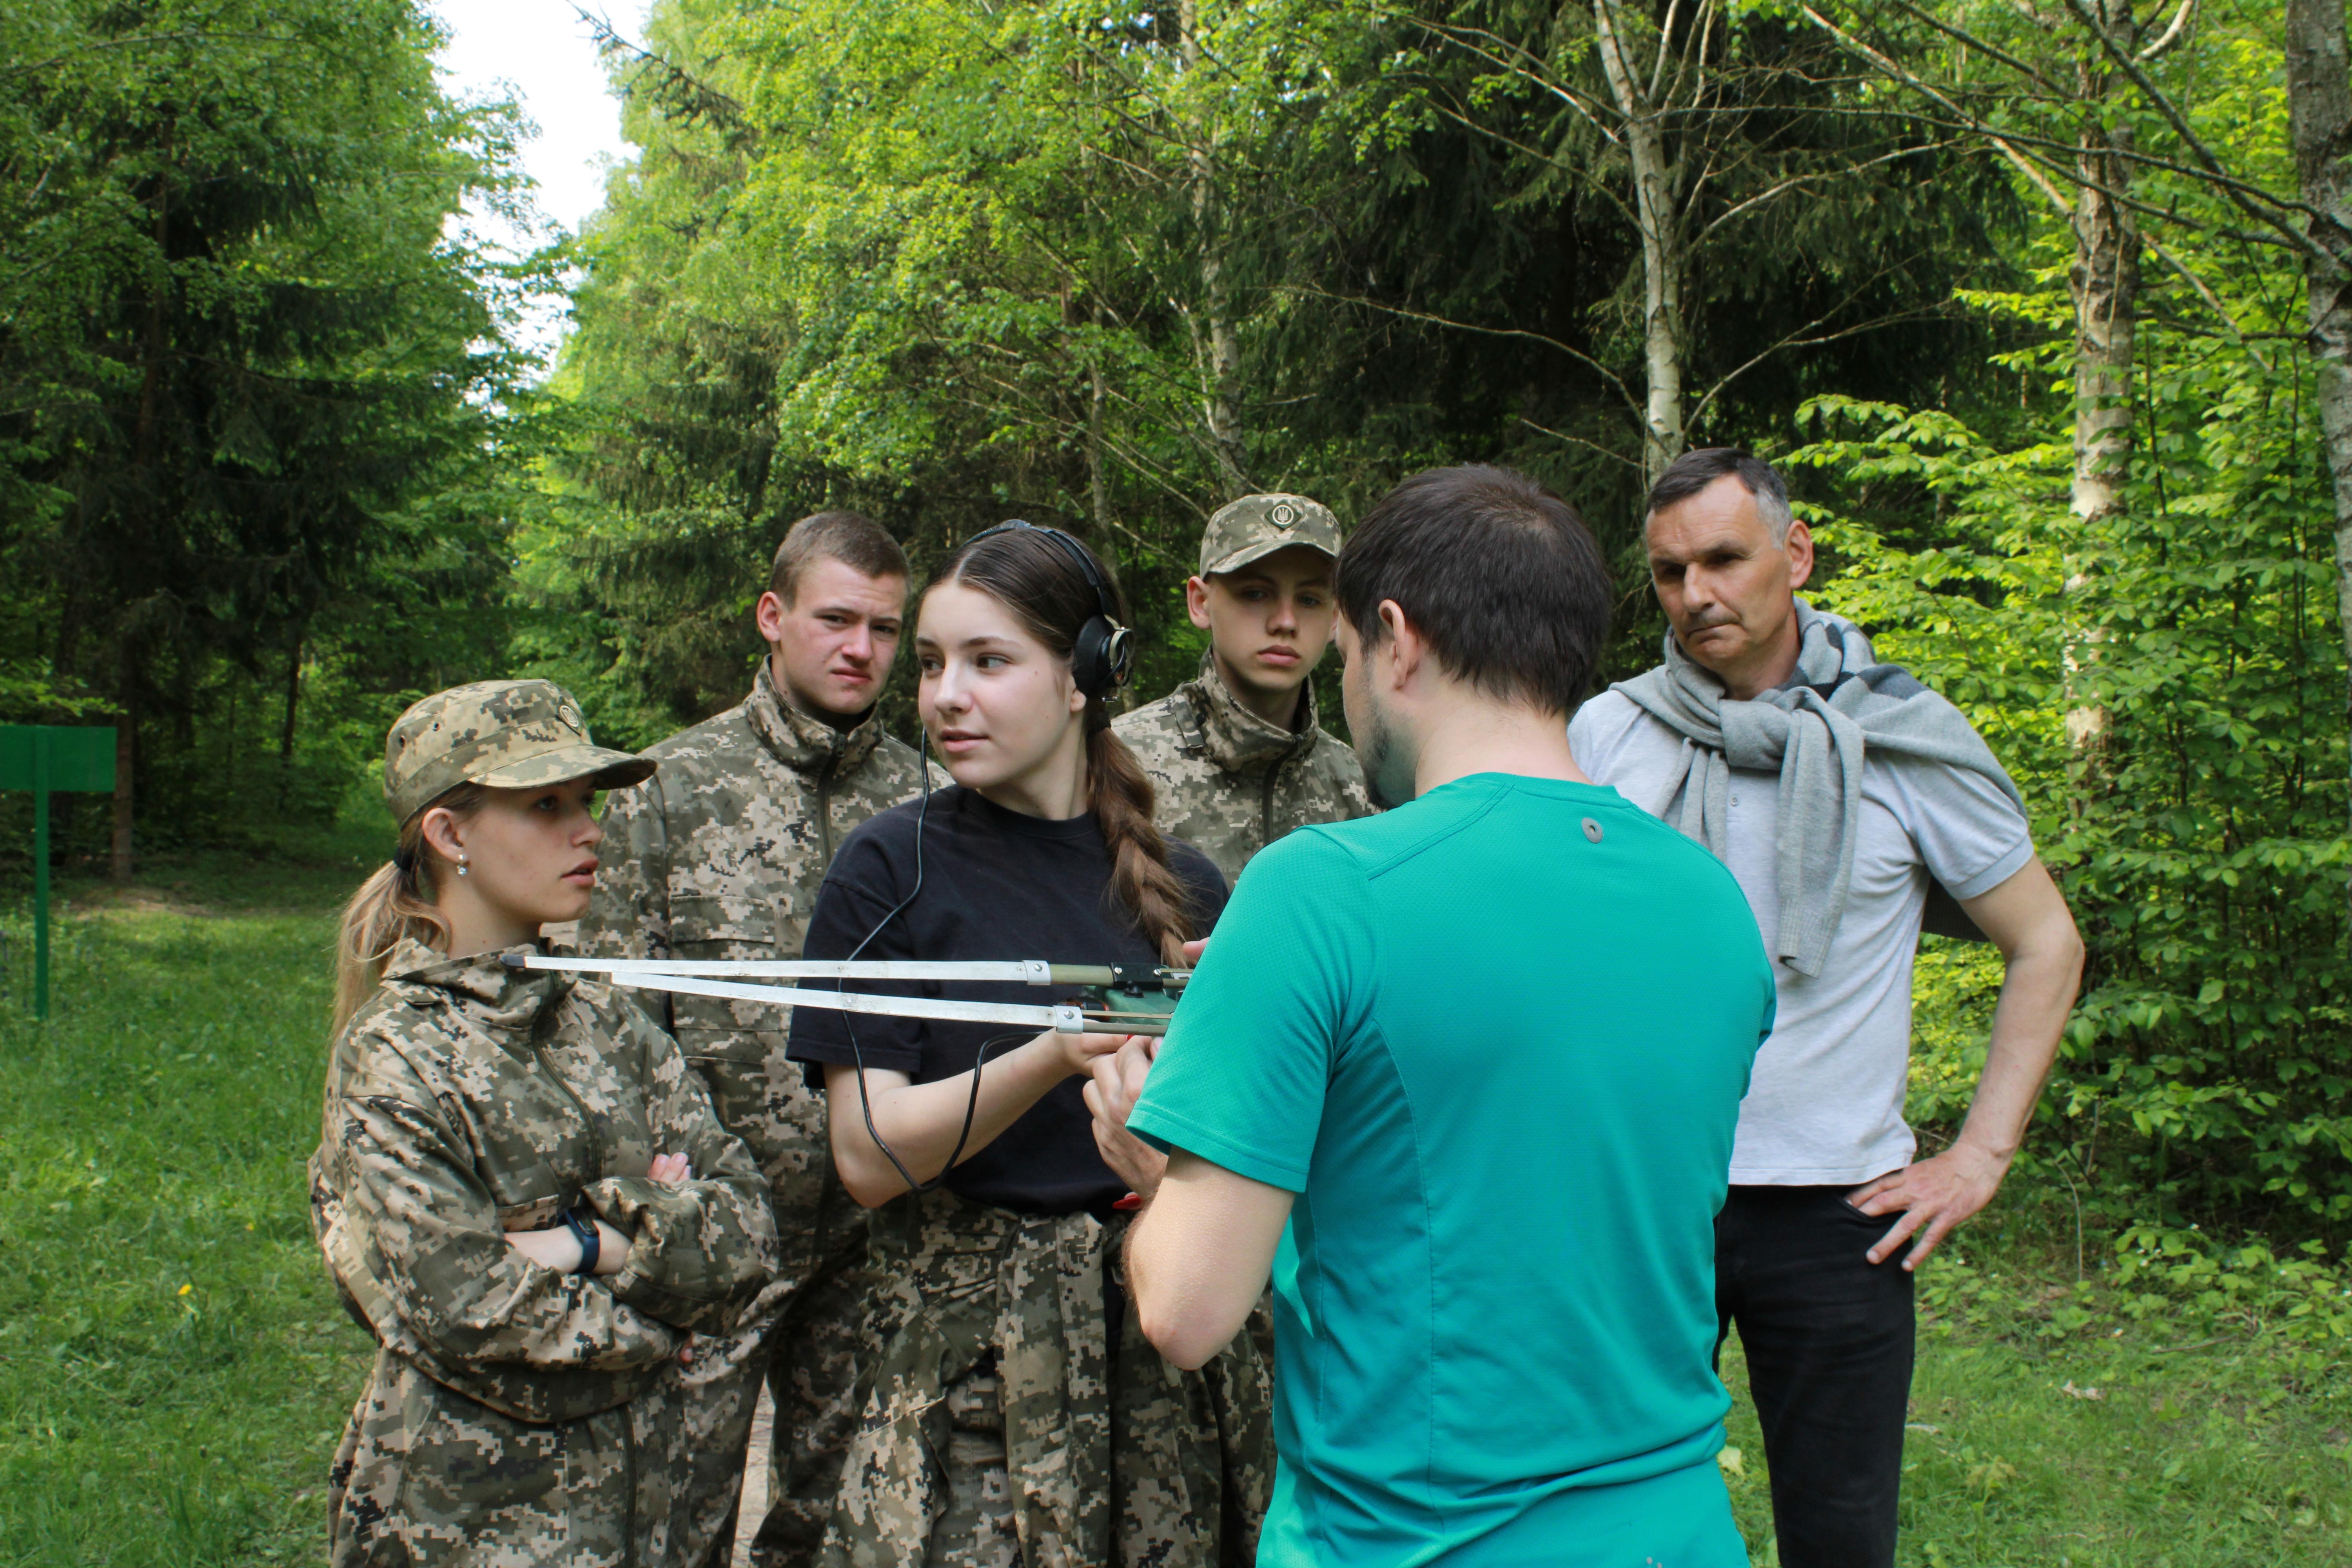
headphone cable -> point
(1115, 652)
(849, 1020)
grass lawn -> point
(175, 1370)
(173, 1365)
(2156, 1460)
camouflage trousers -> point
(812, 1388)
(1013, 1413)
(427, 1478)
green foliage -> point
(2198, 821)
(249, 390)
(2202, 841)
(928, 260)
(948, 263)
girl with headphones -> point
(1011, 1409)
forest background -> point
(2040, 302)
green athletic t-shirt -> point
(1495, 1041)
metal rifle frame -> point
(726, 979)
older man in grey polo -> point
(1846, 797)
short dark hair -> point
(1702, 466)
(1495, 571)
(858, 542)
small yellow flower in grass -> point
(185, 1289)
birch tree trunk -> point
(1097, 490)
(2319, 117)
(2105, 285)
(1221, 353)
(1662, 262)
(1097, 534)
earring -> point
(461, 862)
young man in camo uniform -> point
(721, 858)
(1235, 754)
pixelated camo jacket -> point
(517, 1416)
(720, 856)
(1229, 783)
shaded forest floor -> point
(175, 1370)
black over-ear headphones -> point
(1105, 651)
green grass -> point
(2193, 1459)
(174, 1366)
(175, 1370)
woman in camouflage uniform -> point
(520, 1189)
(1013, 1411)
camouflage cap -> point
(509, 733)
(1255, 527)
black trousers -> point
(1829, 1341)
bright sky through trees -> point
(542, 54)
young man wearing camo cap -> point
(1236, 755)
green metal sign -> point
(41, 758)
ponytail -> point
(1121, 799)
(396, 903)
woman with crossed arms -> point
(522, 1190)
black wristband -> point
(589, 1242)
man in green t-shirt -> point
(1483, 1054)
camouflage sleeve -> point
(700, 1250)
(628, 913)
(475, 1302)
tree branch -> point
(1795, 181)
(2172, 34)
(2242, 196)
(680, 86)
(2032, 172)
(1405, 313)
(2212, 300)
(1665, 45)
(2237, 190)
(1541, 79)
(1793, 341)
(1632, 463)
(1990, 51)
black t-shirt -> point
(996, 885)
